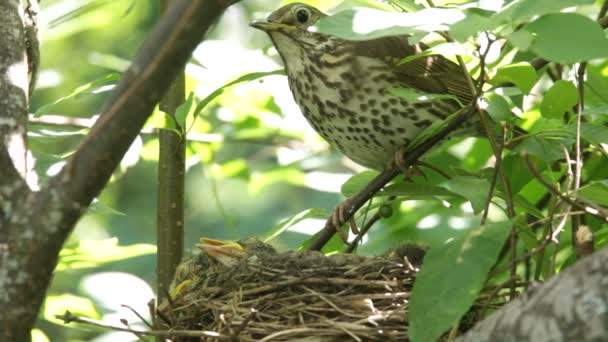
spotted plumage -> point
(342, 86)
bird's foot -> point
(338, 219)
(400, 163)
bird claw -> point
(400, 163)
(337, 220)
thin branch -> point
(578, 161)
(589, 208)
(70, 318)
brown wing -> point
(434, 74)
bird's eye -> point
(302, 15)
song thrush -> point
(342, 86)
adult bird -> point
(343, 87)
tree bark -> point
(35, 224)
(571, 306)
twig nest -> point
(293, 296)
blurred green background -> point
(252, 160)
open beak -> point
(226, 252)
(268, 26)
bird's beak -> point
(220, 249)
(268, 26)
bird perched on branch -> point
(343, 87)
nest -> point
(295, 296)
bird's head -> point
(288, 28)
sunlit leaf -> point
(365, 23)
(448, 50)
(475, 21)
(289, 174)
(522, 10)
(357, 182)
(521, 74)
(184, 110)
(559, 99)
(98, 85)
(557, 38)
(236, 168)
(498, 108)
(521, 39)
(39, 336)
(450, 279)
(77, 305)
(95, 252)
(219, 91)
(286, 224)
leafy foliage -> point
(256, 168)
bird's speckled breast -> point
(346, 101)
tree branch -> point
(43, 220)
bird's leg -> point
(337, 220)
(398, 161)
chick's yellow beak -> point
(267, 26)
(221, 249)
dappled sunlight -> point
(111, 291)
(325, 181)
(308, 227)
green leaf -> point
(77, 305)
(542, 148)
(333, 246)
(288, 174)
(522, 10)
(474, 22)
(235, 168)
(525, 233)
(567, 38)
(447, 50)
(413, 95)
(473, 189)
(559, 99)
(418, 190)
(450, 279)
(596, 192)
(521, 39)
(517, 170)
(181, 112)
(286, 224)
(527, 206)
(593, 133)
(100, 208)
(357, 182)
(366, 23)
(498, 107)
(94, 86)
(522, 74)
(245, 78)
(95, 252)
